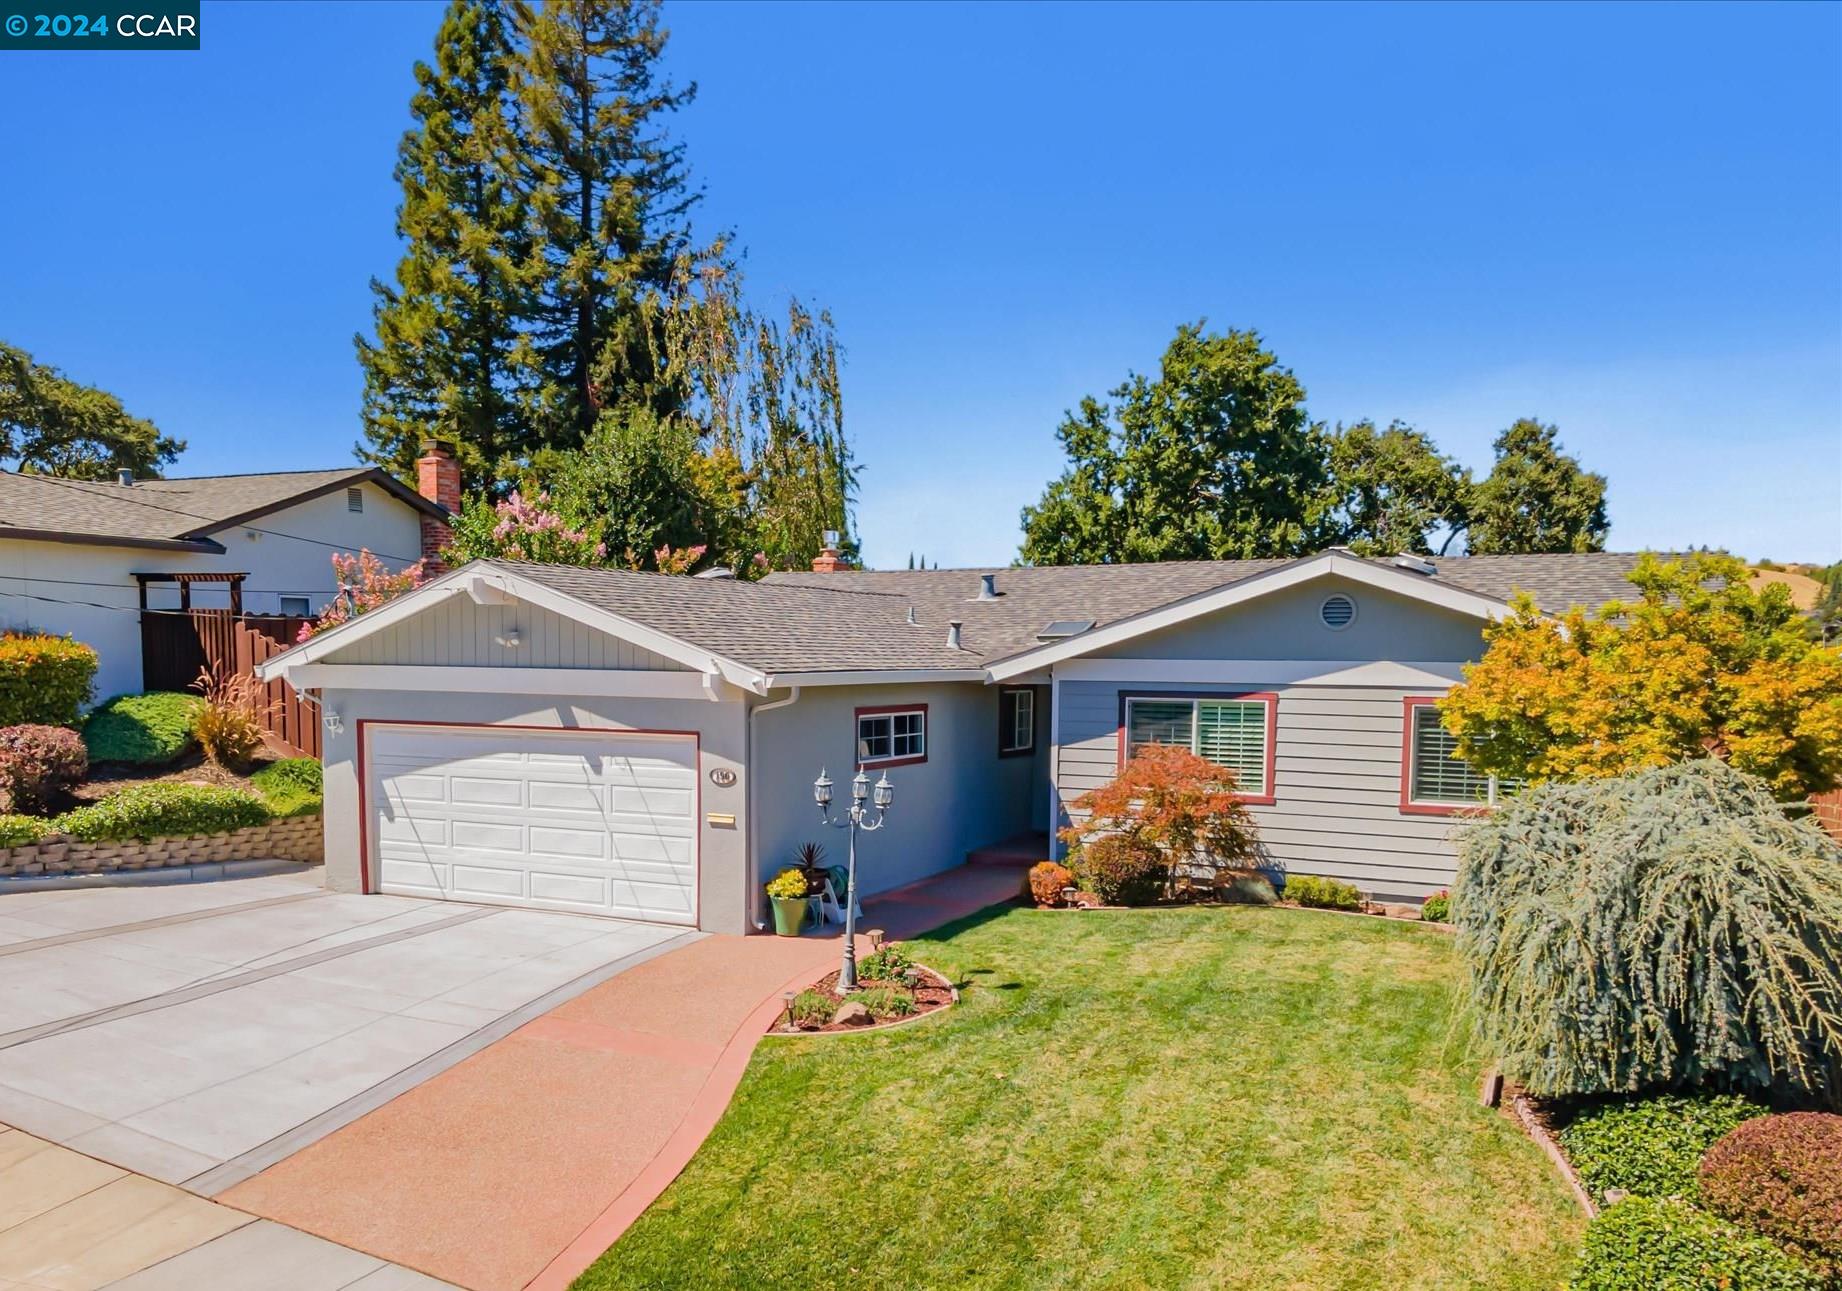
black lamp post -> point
(855, 819)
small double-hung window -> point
(1232, 731)
(1434, 778)
(1016, 721)
(890, 736)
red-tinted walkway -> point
(520, 1165)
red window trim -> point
(878, 710)
(1408, 806)
(1029, 749)
(1269, 697)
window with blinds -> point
(1437, 774)
(1231, 733)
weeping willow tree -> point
(764, 389)
(1671, 928)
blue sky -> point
(1627, 220)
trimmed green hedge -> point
(163, 809)
(145, 730)
(1321, 893)
(290, 787)
(17, 831)
(1644, 1244)
(1650, 1147)
(44, 680)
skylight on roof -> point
(1064, 628)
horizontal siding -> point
(1337, 784)
(456, 632)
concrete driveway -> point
(200, 1033)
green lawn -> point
(1231, 1097)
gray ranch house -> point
(644, 747)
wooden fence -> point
(177, 645)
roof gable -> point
(178, 514)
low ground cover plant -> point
(887, 1001)
(1671, 929)
(811, 1009)
(37, 764)
(1321, 893)
(17, 831)
(892, 963)
(163, 809)
(143, 730)
(1650, 1147)
(1437, 908)
(290, 786)
(1782, 1176)
(1649, 1244)
(1167, 818)
(44, 680)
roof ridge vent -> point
(1415, 564)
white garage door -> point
(600, 822)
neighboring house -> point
(84, 557)
(644, 746)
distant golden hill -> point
(1805, 590)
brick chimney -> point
(828, 561)
(437, 479)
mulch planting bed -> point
(931, 992)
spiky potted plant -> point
(787, 891)
(810, 857)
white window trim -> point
(1491, 792)
(890, 716)
(1025, 698)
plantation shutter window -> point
(1437, 775)
(1230, 732)
(1233, 735)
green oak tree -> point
(1213, 458)
(1393, 491)
(52, 425)
(1536, 498)
(449, 357)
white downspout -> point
(753, 867)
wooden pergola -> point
(185, 582)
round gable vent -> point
(1337, 612)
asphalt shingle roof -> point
(161, 511)
(857, 619)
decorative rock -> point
(852, 1014)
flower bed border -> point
(774, 1030)
(289, 838)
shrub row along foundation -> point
(297, 838)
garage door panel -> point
(546, 796)
(486, 881)
(488, 836)
(485, 791)
(603, 822)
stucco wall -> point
(962, 797)
(725, 904)
(89, 593)
(1285, 625)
